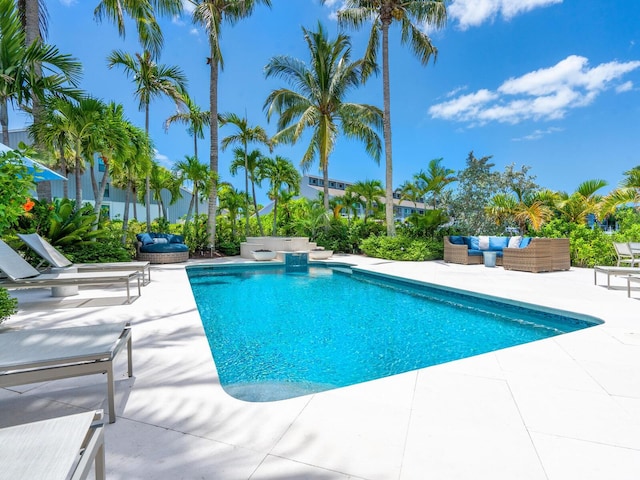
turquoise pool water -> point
(275, 335)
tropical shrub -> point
(15, 185)
(8, 305)
(402, 248)
(68, 226)
(106, 250)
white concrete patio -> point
(556, 409)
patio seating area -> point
(564, 407)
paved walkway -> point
(561, 408)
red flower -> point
(29, 205)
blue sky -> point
(552, 84)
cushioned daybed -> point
(161, 248)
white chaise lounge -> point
(22, 275)
(53, 257)
(41, 355)
(56, 449)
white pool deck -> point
(562, 408)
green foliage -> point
(196, 237)
(421, 226)
(15, 185)
(402, 248)
(106, 250)
(8, 305)
(69, 226)
(336, 237)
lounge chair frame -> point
(22, 275)
(38, 367)
(59, 448)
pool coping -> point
(565, 407)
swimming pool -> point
(275, 335)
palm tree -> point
(191, 170)
(233, 201)
(282, 175)
(627, 193)
(318, 103)
(434, 180)
(412, 15)
(20, 83)
(194, 118)
(128, 169)
(411, 192)
(252, 163)
(211, 14)
(162, 179)
(244, 136)
(151, 81)
(143, 13)
(371, 193)
(577, 207)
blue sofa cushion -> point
(176, 239)
(456, 240)
(473, 243)
(164, 248)
(474, 252)
(496, 244)
(525, 242)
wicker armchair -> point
(541, 255)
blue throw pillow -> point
(525, 242)
(145, 238)
(176, 239)
(456, 240)
(474, 243)
(498, 243)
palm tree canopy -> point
(211, 14)
(412, 15)
(151, 80)
(143, 13)
(317, 102)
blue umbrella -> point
(40, 172)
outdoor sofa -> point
(161, 248)
(513, 253)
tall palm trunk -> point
(4, 122)
(78, 179)
(147, 180)
(275, 216)
(213, 151)
(246, 192)
(255, 207)
(386, 123)
(125, 215)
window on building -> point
(332, 184)
(101, 165)
(106, 191)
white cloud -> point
(188, 6)
(163, 160)
(544, 94)
(471, 13)
(538, 134)
(68, 3)
(625, 87)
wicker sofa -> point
(530, 255)
(161, 248)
